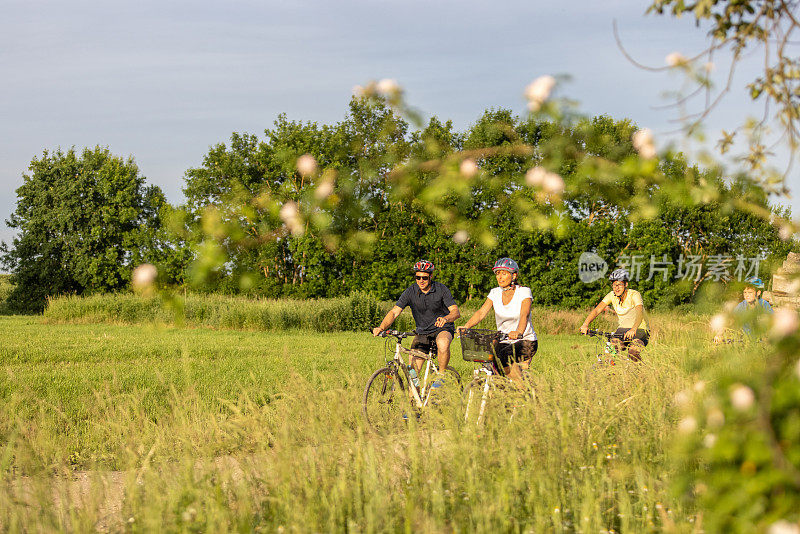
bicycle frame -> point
(487, 370)
(484, 396)
(418, 393)
(609, 346)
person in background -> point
(752, 303)
(627, 303)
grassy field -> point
(140, 428)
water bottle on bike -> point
(413, 374)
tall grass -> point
(358, 312)
(146, 428)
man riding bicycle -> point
(434, 311)
(627, 303)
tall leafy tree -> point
(83, 221)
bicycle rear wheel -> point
(386, 403)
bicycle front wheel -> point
(490, 394)
(386, 403)
(452, 376)
(477, 395)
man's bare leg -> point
(443, 340)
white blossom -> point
(687, 425)
(709, 440)
(675, 59)
(742, 397)
(469, 168)
(553, 184)
(643, 143)
(785, 232)
(718, 323)
(784, 322)
(306, 164)
(783, 527)
(699, 386)
(538, 91)
(682, 398)
(324, 189)
(461, 237)
(388, 87)
(143, 276)
(291, 217)
(535, 176)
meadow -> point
(151, 426)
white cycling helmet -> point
(620, 274)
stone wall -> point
(786, 282)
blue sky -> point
(163, 81)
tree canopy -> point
(83, 220)
(363, 214)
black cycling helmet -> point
(423, 266)
(620, 274)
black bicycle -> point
(612, 353)
(396, 392)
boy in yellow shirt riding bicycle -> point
(632, 332)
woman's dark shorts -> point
(521, 351)
(642, 336)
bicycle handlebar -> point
(396, 333)
(607, 335)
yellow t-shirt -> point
(626, 310)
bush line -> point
(357, 312)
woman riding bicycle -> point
(627, 303)
(512, 312)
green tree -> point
(83, 222)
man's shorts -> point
(642, 336)
(424, 342)
(521, 351)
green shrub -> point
(6, 286)
(357, 312)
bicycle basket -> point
(479, 345)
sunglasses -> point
(422, 277)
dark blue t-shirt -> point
(427, 307)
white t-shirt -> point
(507, 315)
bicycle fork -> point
(484, 396)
